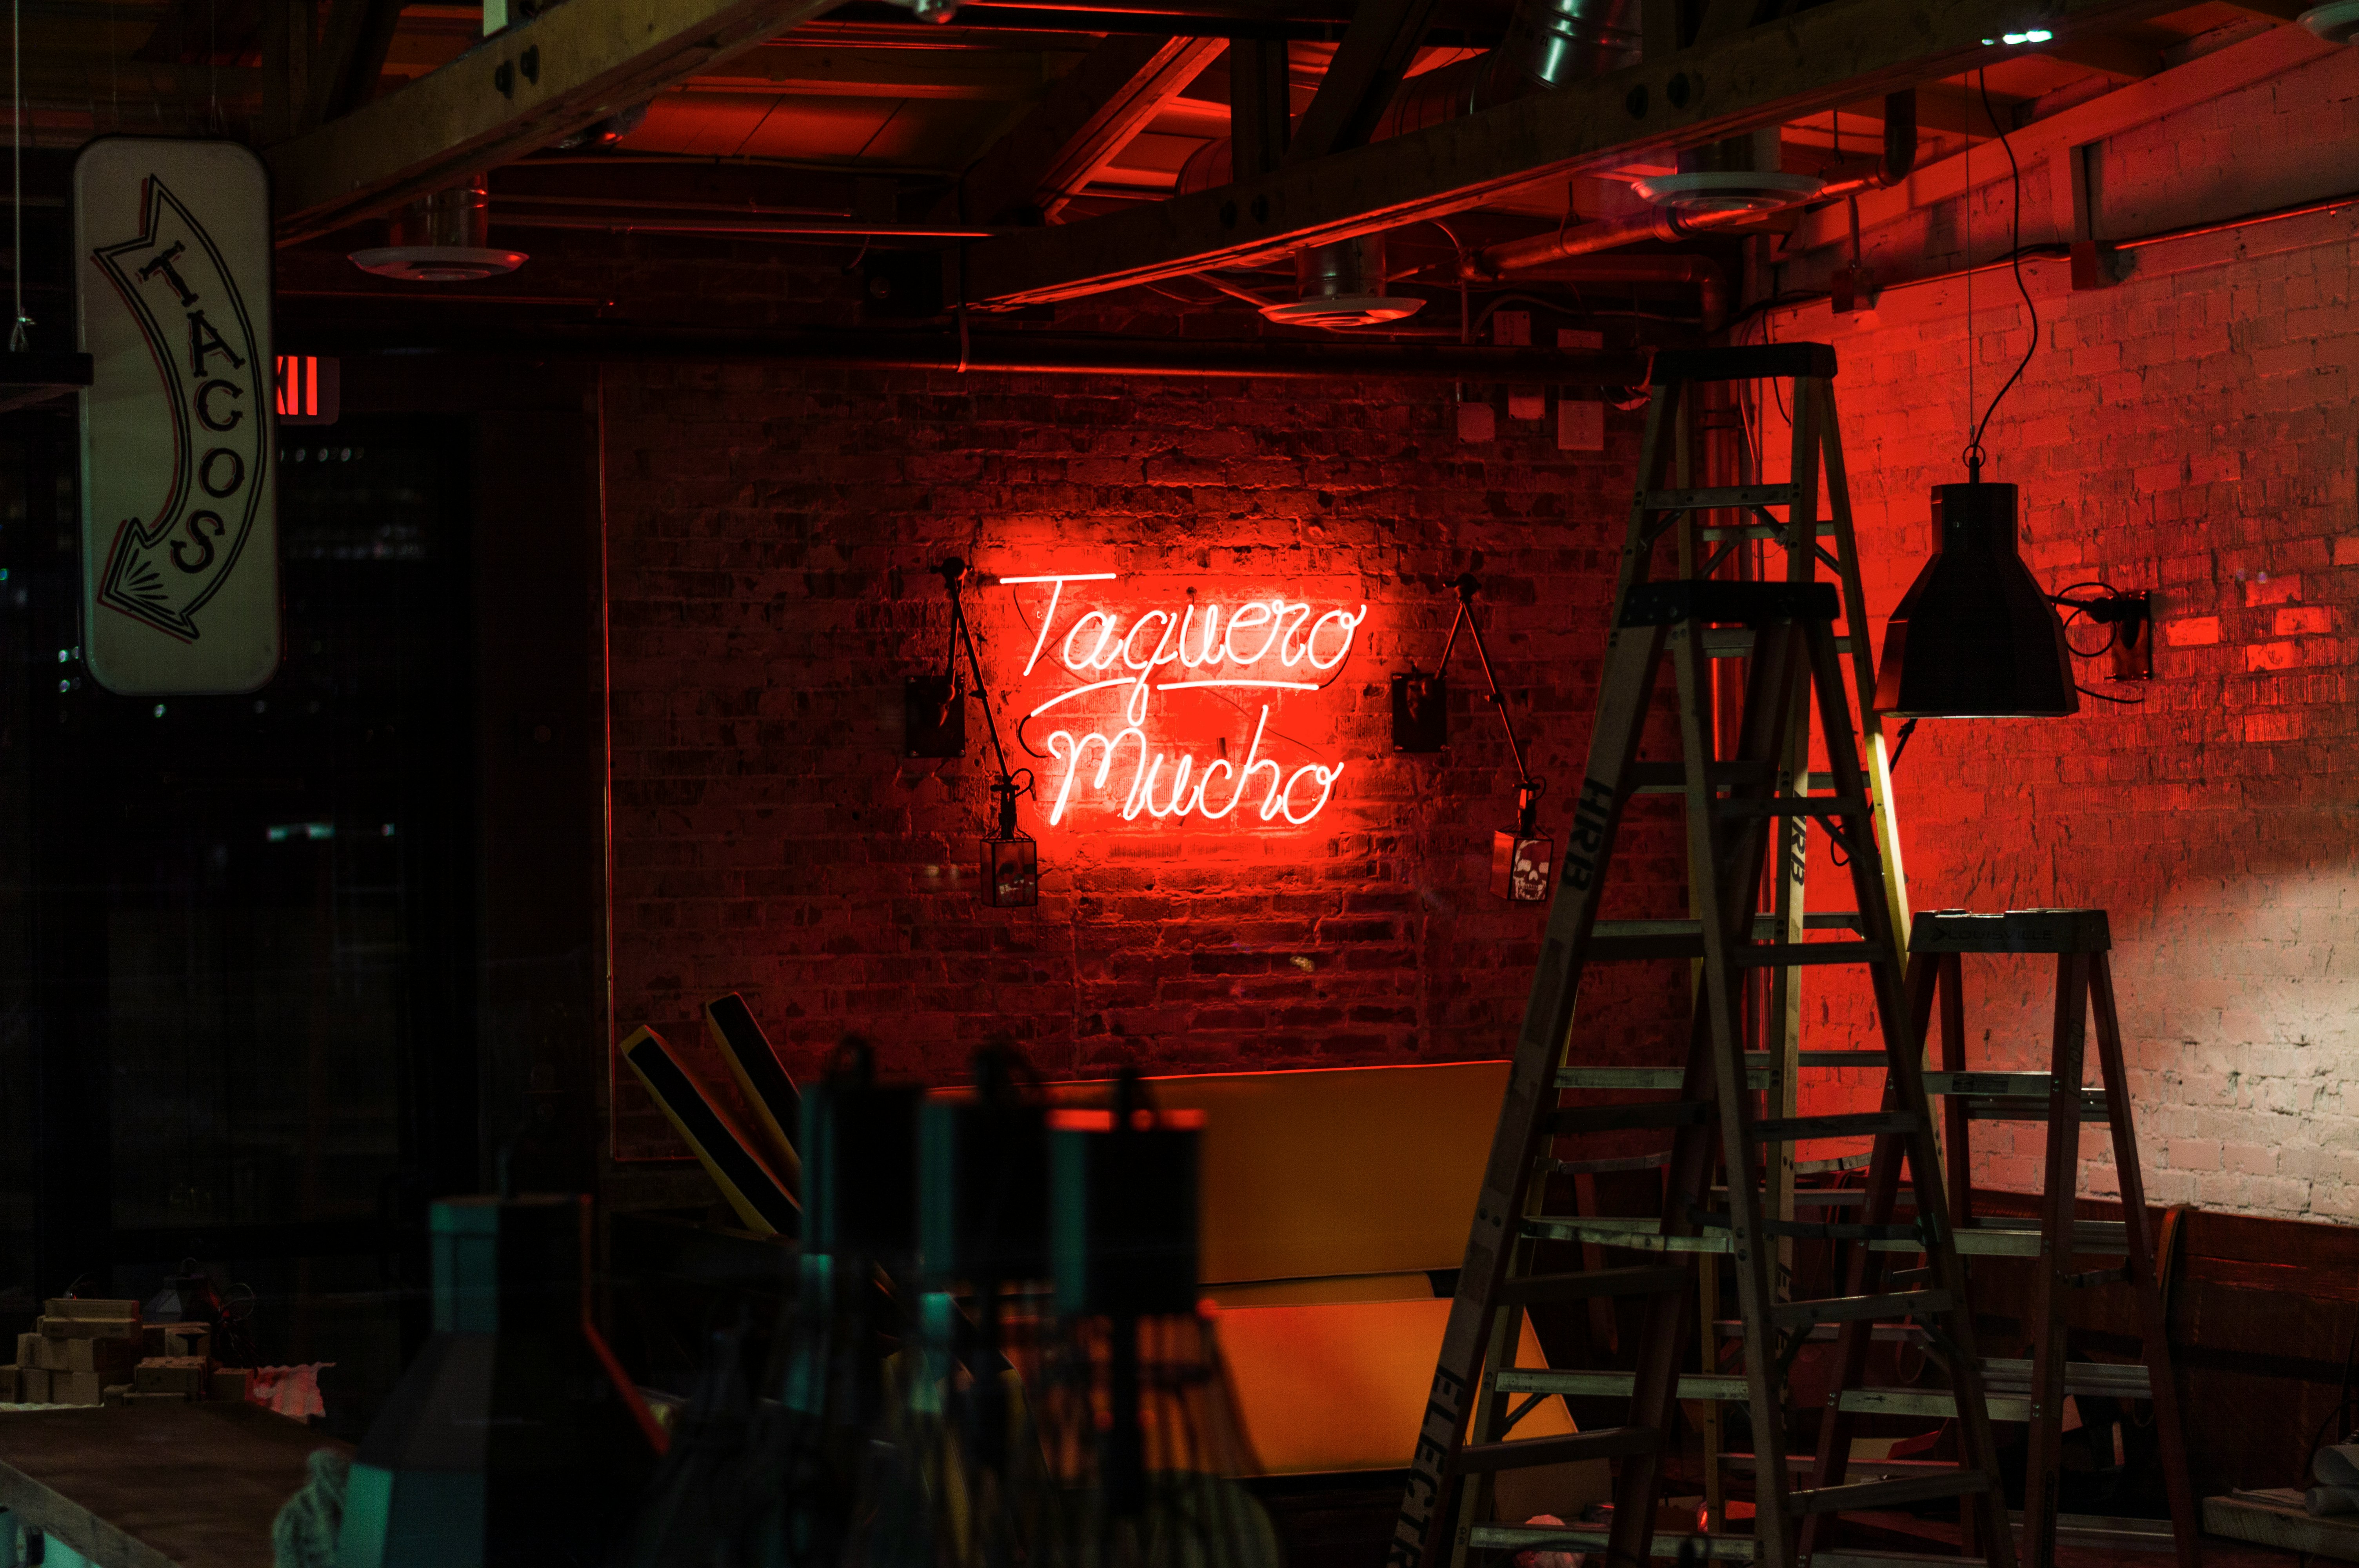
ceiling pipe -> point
(1494, 262)
(1008, 353)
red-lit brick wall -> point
(2188, 432)
(772, 537)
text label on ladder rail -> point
(1115, 667)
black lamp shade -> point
(1975, 637)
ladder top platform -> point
(2016, 930)
(1756, 361)
(1712, 599)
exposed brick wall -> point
(773, 533)
(2188, 432)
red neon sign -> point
(1263, 645)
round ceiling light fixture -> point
(1734, 174)
(1728, 191)
(444, 238)
(1340, 286)
(2337, 23)
(1344, 310)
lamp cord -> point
(1975, 454)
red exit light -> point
(309, 389)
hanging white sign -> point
(180, 524)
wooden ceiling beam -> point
(1830, 55)
(352, 57)
(564, 69)
(1087, 116)
(1370, 62)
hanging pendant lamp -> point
(1976, 636)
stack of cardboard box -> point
(81, 1348)
(98, 1352)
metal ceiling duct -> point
(441, 238)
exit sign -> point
(309, 389)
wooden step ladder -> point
(2034, 1390)
(1787, 628)
(1761, 528)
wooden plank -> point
(1087, 116)
(1822, 59)
(566, 69)
(171, 1482)
(2288, 1529)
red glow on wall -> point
(1133, 760)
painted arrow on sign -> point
(216, 374)
(180, 526)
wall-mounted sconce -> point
(935, 716)
(1011, 858)
(1521, 857)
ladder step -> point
(1730, 1387)
(1890, 1493)
(1851, 1309)
(1736, 642)
(1987, 1107)
(1853, 1124)
(1606, 1443)
(2116, 1380)
(2102, 1238)
(1637, 1280)
(1706, 498)
(1606, 1166)
(2011, 1097)
(1936, 1402)
(2016, 930)
(1667, 1543)
(1826, 530)
(1637, 1235)
(1614, 1118)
